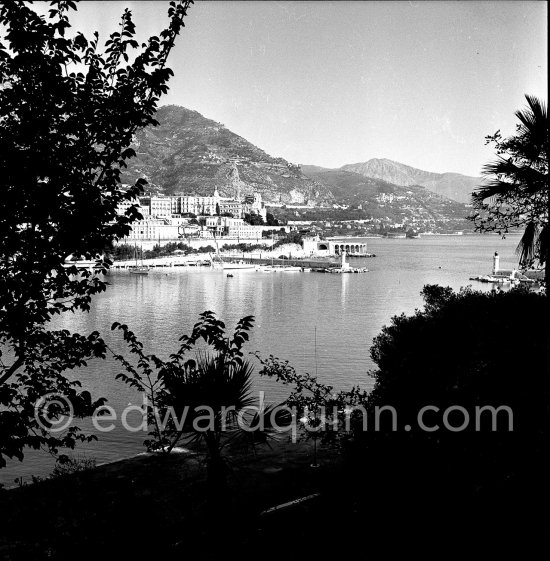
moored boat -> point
(286, 268)
(138, 269)
(240, 265)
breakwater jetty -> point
(305, 263)
(314, 264)
(204, 260)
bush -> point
(206, 249)
(72, 464)
(466, 349)
(291, 237)
(271, 220)
(243, 247)
(274, 233)
(254, 219)
(122, 252)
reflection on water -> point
(344, 290)
(346, 310)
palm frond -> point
(264, 425)
(521, 179)
(527, 247)
(500, 166)
(534, 128)
(492, 190)
(543, 244)
(534, 117)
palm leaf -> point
(495, 189)
(534, 129)
(543, 244)
(527, 247)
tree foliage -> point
(290, 237)
(323, 411)
(69, 111)
(516, 193)
(254, 219)
(198, 394)
(465, 349)
(270, 220)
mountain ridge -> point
(452, 185)
(414, 205)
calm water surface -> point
(345, 311)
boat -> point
(139, 269)
(240, 265)
(286, 268)
(217, 262)
(81, 264)
(339, 270)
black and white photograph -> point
(273, 280)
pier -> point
(168, 262)
(319, 264)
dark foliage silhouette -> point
(68, 115)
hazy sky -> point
(330, 83)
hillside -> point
(189, 153)
(308, 170)
(378, 199)
(452, 185)
(347, 186)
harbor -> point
(512, 277)
(242, 261)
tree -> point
(254, 219)
(271, 220)
(468, 351)
(290, 237)
(202, 397)
(516, 194)
(68, 116)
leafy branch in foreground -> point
(199, 394)
(68, 114)
(318, 406)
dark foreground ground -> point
(158, 508)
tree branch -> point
(11, 370)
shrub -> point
(468, 349)
(66, 465)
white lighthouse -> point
(496, 263)
(345, 264)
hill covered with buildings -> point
(188, 153)
(196, 166)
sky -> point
(332, 83)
